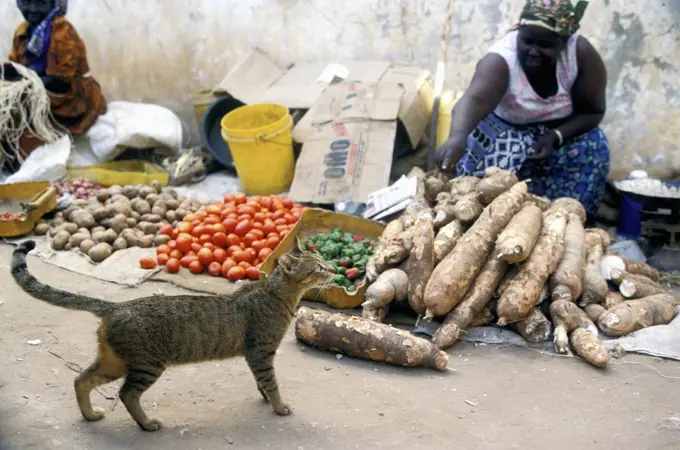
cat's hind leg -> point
(261, 363)
(137, 381)
(105, 369)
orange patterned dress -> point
(79, 108)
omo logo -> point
(336, 159)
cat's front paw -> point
(152, 425)
(283, 409)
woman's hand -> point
(450, 152)
(544, 147)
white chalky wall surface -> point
(161, 51)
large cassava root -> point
(391, 285)
(588, 346)
(636, 286)
(355, 336)
(389, 253)
(571, 206)
(420, 262)
(518, 239)
(468, 208)
(472, 305)
(495, 182)
(534, 328)
(567, 281)
(525, 289)
(452, 278)
(567, 317)
(635, 315)
(444, 211)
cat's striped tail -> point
(49, 294)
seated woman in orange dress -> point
(49, 45)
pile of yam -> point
(472, 251)
(116, 218)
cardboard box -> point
(349, 132)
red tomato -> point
(236, 273)
(259, 245)
(187, 260)
(215, 269)
(219, 228)
(253, 253)
(163, 259)
(243, 227)
(245, 209)
(259, 217)
(163, 249)
(196, 247)
(147, 263)
(184, 242)
(205, 256)
(228, 198)
(232, 239)
(290, 219)
(264, 253)
(266, 202)
(269, 227)
(280, 222)
(228, 264)
(297, 214)
(249, 239)
(273, 242)
(241, 256)
(176, 254)
(208, 229)
(220, 255)
(198, 230)
(233, 249)
(210, 246)
(189, 218)
(281, 228)
(205, 238)
(259, 234)
(201, 215)
(172, 245)
(279, 215)
(288, 203)
(172, 266)
(213, 209)
(240, 198)
(212, 220)
(257, 226)
(174, 234)
(166, 230)
(244, 265)
(196, 267)
(229, 225)
(220, 240)
(277, 205)
(284, 233)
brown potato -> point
(159, 210)
(147, 241)
(156, 185)
(131, 222)
(100, 252)
(69, 227)
(102, 195)
(172, 204)
(147, 228)
(152, 198)
(130, 237)
(96, 229)
(130, 192)
(135, 215)
(41, 229)
(153, 218)
(142, 207)
(120, 208)
(180, 213)
(87, 245)
(78, 239)
(60, 240)
(100, 213)
(115, 190)
(161, 239)
(119, 244)
(145, 191)
(171, 216)
(83, 219)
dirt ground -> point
(498, 398)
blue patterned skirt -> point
(578, 169)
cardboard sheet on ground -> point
(121, 268)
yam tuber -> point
(374, 314)
(589, 347)
(461, 186)
(612, 299)
(570, 206)
(604, 237)
(361, 338)
(420, 262)
(474, 302)
(391, 285)
(567, 281)
(444, 210)
(534, 328)
(468, 208)
(452, 278)
(636, 286)
(484, 318)
(635, 315)
(640, 268)
(417, 206)
(505, 282)
(567, 317)
(434, 184)
(542, 202)
(388, 254)
(519, 238)
(594, 311)
(392, 230)
(446, 240)
(595, 287)
(525, 289)
(494, 183)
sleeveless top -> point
(521, 105)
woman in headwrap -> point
(534, 106)
(48, 44)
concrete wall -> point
(163, 50)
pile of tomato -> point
(231, 238)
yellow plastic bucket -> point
(261, 142)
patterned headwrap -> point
(560, 16)
(40, 38)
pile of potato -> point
(116, 218)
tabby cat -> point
(139, 339)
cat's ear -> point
(287, 263)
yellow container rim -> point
(224, 123)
